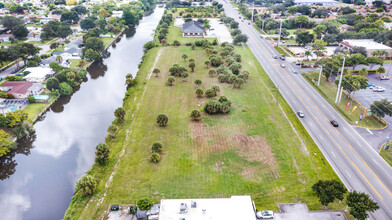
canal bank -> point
(38, 179)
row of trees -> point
(236, 33)
(14, 52)
(65, 79)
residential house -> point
(316, 2)
(38, 74)
(10, 105)
(22, 89)
(193, 29)
(5, 37)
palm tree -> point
(381, 70)
(82, 63)
(307, 54)
(184, 56)
(156, 71)
(207, 63)
(59, 59)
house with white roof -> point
(38, 74)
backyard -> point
(252, 150)
(328, 90)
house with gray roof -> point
(193, 29)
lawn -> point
(253, 150)
(34, 109)
(387, 154)
(75, 63)
(107, 41)
(281, 51)
(206, 12)
(176, 34)
(292, 31)
(328, 91)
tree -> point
(129, 18)
(361, 50)
(240, 38)
(156, 71)
(20, 31)
(381, 108)
(199, 92)
(210, 93)
(329, 190)
(103, 13)
(356, 59)
(59, 59)
(207, 63)
(320, 29)
(192, 66)
(238, 82)
(102, 153)
(198, 82)
(372, 61)
(69, 17)
(176, 43)
(86, 185)
(94, 43)
(211, 72)
(4, 143)
(92, 55)
(65, 89)
(353, 83)
(308, 53)
(184, 75)
(120, 114)
(87, 23)
(235, 68)
(81, 10)
(55, 67)
(184, 56)
(144, 204)
(16, 118)
(71, 2)
(155, 157)
(212, 107)
(360, 204)
(195, 115)
(9, 22)
(171, 80)
(56, 29)
(381, 70)
(301, 21)
(162, 119)
(304, 37)
(156, 148)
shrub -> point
(210, 93)
(86, 185)
(212, 107)
(216, 89)
(162, 119)
(155, 158)
(223, 99)
(211, 72)
(171, 80)
(196, 115)
(222, 78)
(31, 99)
(112, 129)
(32, 63)
(199, 92)
(176, 43)
(232, 78)
(102, 153)
(198, 82)
(156, 148)
(144, 204)
(149, 45)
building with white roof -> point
(234, 208)
(316, 2)
(369, 44)
(38, 74)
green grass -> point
(387, 154)
(176, 34)
(34, 109)
(107, 41)
(75, 63)
(292, 31)
(198, 13)
(281, 51)
(253, 152)
(328, 91)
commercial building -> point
(316, 2)
(369, 44)
(192, 29)
(233, 208)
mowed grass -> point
(175, 33)
(387, 154)
(252, 152)
(328, 91)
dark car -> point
(334, 123)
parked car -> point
(14, 71)
(334, 123)
(282, 65)
(370, 85)
(300, 114)
(378, 89)
(261, 36)
(266, 214)
(299, 63)
(275, 56)
(19, 74)
(384, 78)
(249, 23)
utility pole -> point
(318, 82)
(253, 10)
(262, 26)
(280, 31)
(340, 81)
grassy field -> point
(176, 34)
(328, 91)
(292, 31)
(34, 109)
(387, 154)
(107, 41)
(253, 152)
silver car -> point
(378, 89)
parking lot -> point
(300, 211)
(329, 51)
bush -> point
(156, 148)
(144, 204)
(112, 129)
(65, 89)
(199, 92)
(212, 107)
(223, 99)
(86, 185)
(176, 43)
(155, 158)
(162, 119)
(149, 45)
(102, 153)
(31, 99)
(32, 63)
(211, 72)
(222, 78)
(210, 93)
(216, 89)
(198, 82)
(171, 80)
(196, 115)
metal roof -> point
(192, 27)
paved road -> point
(356, 163)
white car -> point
(266, 214)
(378, 89)
(384, 78)
(282, 65)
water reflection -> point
(38, 182)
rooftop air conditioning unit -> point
(183, 207)
(193, 204)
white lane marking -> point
(369, 131)
(345, 129)
(358, 143)
(333, 154)
(348, 174)
(375, 162)
(321, 137)
(323, 105)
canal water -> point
(38, 179)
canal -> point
(38, 179)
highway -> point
(358, 165)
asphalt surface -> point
(357, 164)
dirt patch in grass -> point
(254, 148)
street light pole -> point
(318, 82)
(340, 81)
(262, 26)
(280, 31)
(253, 10)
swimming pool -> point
(41, 97)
